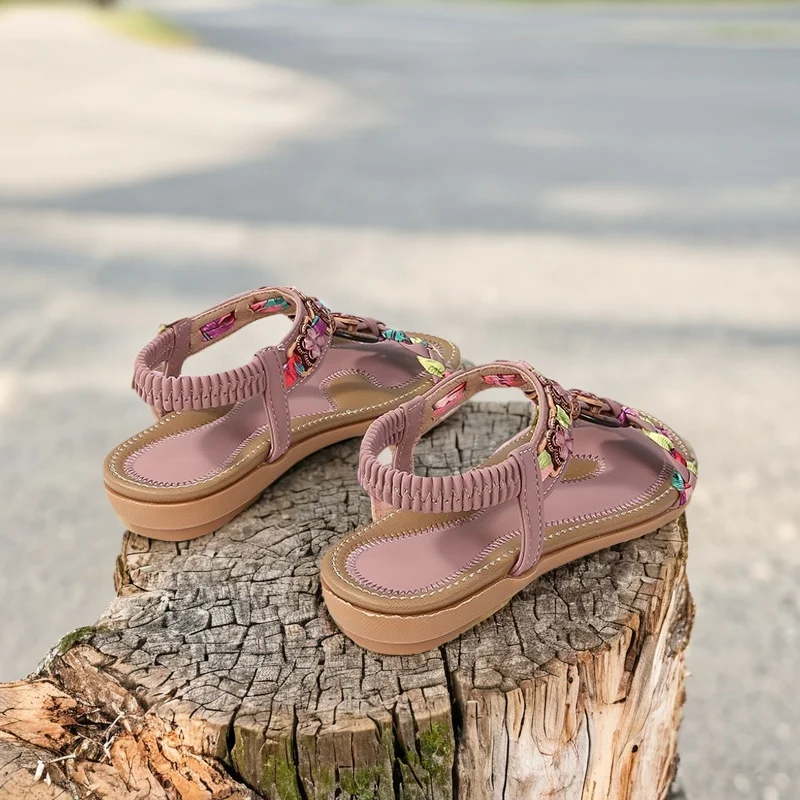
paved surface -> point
(612, 193)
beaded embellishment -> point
(303, 355)
(557, 445)
(434, 367)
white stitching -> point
(277, 435)
(612, 516)
(324, 386)
(526, 521)
(600, 464)
(406, 534)
(145, 481)
(635, 502)
(436, 591)
(440, 583)
(620, 511)
(255, 434)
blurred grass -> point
(135, 23)
(142, 25)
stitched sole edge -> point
(189, 519)
(407, 634)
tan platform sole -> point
(404, 634)
(178, 522)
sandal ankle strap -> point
(396, 485)
(156, 369)
(272, 373)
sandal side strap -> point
(525, 474)
(276, 404)
(531, 501)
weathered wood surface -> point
(217, 673)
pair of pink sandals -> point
(442, 553)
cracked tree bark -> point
(216, 672)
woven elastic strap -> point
(156, 375)
(401, 489)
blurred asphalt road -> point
(611, 193)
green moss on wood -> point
(78, 636)
(436, 753)
(324, 784)
(282, 775)
(369, 783)
(411, 788)
(264, 765)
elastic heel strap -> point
(156, 375)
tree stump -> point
(217, 673)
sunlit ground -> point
(612, 194)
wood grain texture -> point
(217, 673)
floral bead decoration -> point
(432, 366)
(685, 475)
(352, 325)
(223, 325)
(272, 305)
(396, 336)
(556, 445)
(402, 337)
(684, 489)
(511, 381)
(562, 409)
(310, 345)
(453, 398)
(316, 329)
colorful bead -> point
(396, 336)
(310, 345)
(435, 368)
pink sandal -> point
(220, 440)
(445, 553)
